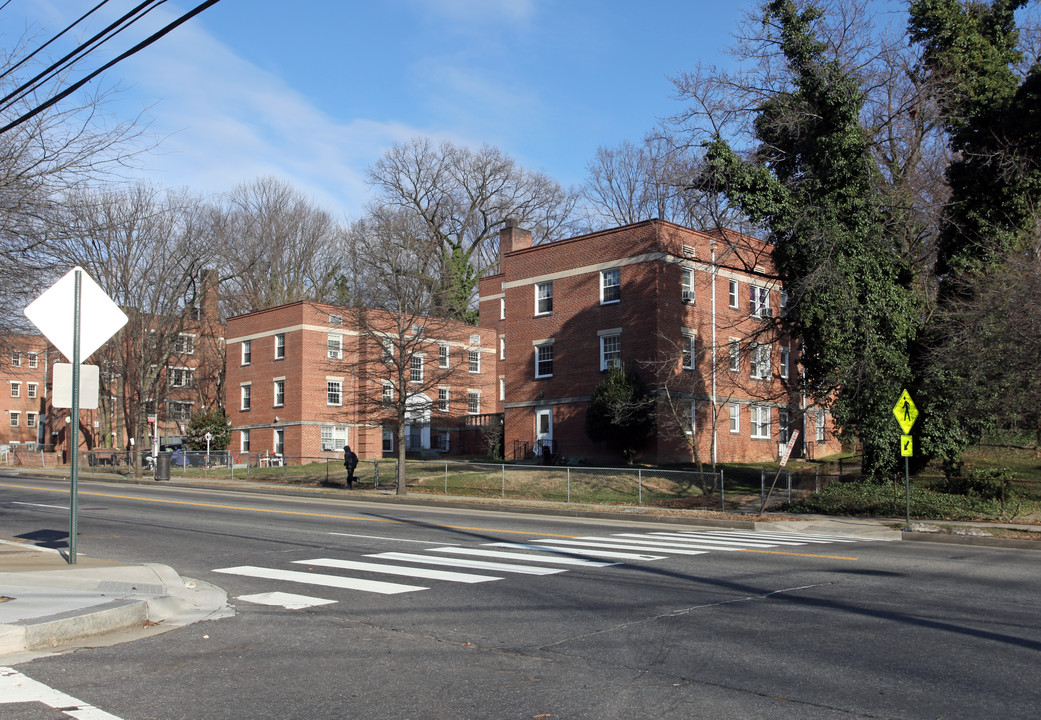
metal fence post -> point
(503, 481)
(722, 493)
(789, 487)
(639, 485)
(446, 478)
(569, 484)
(762, 487)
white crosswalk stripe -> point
(525, 557)
(491, 561)
(425, 573)
(336, 581)
(475, 564)
(591, 552)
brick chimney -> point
(512, 237)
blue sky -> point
(313, 91)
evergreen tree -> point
(621, 412)
(813, 184)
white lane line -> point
(289, 601)
(17, 688)
(384, 588)
(378, 537)
(591, 552)
(425, 573)
(770, 536)
(595, 542)
(475, 564)
(711, 542)
(805, 537)
(56, 507)
(527, 557)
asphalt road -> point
(862, 629)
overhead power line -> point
(31, 55)
(132, 51)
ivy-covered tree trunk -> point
(812, 183)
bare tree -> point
(278, 247)
(65, 149)
(658, 178)
(400, 362)
(149, 250)
(461, 199)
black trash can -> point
(162, 465)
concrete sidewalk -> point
(46, 604)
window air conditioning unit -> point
(688, 296)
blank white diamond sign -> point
(52, 313)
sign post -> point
(784, 461)
(906, 413)
(49, 313)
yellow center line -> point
(369, 519)
(290, 512)
(778, 552)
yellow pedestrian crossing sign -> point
(905, 411)
(906, 446)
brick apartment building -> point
(304, 379)
(686, 310)
(23, 393)
(188, 378)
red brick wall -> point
(652, 317)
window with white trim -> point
(473, 402)
(16, 359)
(544, 360)
(502, 388)
(502, 347)
(735, 418)
(687, 348)
(179, 411)
(388, 441)
(30, 419)
(31, 390)
(543, 298)
(387, 395)
(279, 445)
(335, 346)
(415, 369)
(502, 308)
(442, 441)
(387, 350)
(735, 355)
(34, 360)
(336, 319)
(821, 425)
(759, 301)
(245, 396)
(475, 361)
(334, 392)
(690, 417)
(442, 355)
(610, 286)
(247, 352)
(782, 425)
(687, 288)
(610, 351)
(760, 421)
(184, 344)
(280, 346)
(244, 441)
(280, 393)
(180, 377)
(16, 389)
(759, 361)
(785, 360)
(442, 399)
(734, 293)
(334, 438)
(15, 418)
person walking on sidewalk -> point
(350, 461)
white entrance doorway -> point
(543, 430)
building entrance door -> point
(543, 430)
